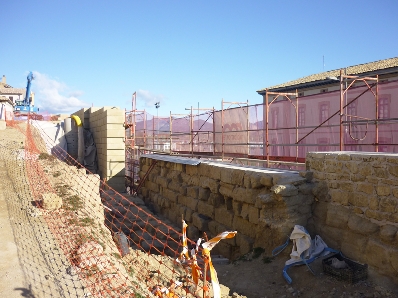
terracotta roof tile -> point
(351, 70)
(12, 90)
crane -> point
(24, 107)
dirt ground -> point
(31, 266)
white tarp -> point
(53, 136)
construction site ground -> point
(31, 265)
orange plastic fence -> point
(113, 242)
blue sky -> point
(181, 53)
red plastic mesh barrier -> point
(113, 242)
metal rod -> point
(377, 113)
(341, 110)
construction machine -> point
(26, 106)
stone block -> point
(192, 203)
(388, 204)
(343, 156)
(175, 186)
(213, 226)
(285, 190)
(339, 196)
(308, 175)
(377, 255)
(388, 233)
(226, 189)
(244, 211)
(359, 199)
(362, 225)
(365, 187)
(209, 183)
(365, 169)
(358, 210)
(337, 216)
(188, 214)
(319, 211)
(237, 207)
(193, 170)
(377, 215)
(193, 191)
(374, 203)
(287, 178)
(332, 236)
(266, 180)
(245, 195)
(255, 180)
(170, 195)
(380, 173)
(246, 180)
(211, 171)
(352, 167)
(152, 186)
(244, 226)
(383, 190)
(194, 180)
(224, 216)
(321, 191)
(203, 194)
(201, 221)
(264, 200)
(206, 209)
(216, 200)
(393, 170)
(237, 177)
(393, 217)
(224, 249)
(162, 181)
(177, 167)
(395, 192)
(245, 243)
(51, 201)
(353, 245)
(226, 175)
(254, 214)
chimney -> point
(4, 80)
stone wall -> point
(263, 205)
(357, 207)
(107, 126)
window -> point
(384, 107)
(300, 94)
(352, 109)
(323, 111)
(324, 90)
(274, 118)
(301, 115)
(11, 98)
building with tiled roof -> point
(13, 94)
(386, 69)
(342, 109)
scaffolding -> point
(360, 116)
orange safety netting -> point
(112, 241)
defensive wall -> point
(261, 204)
(107, 126)
(349, 199)
(357, 207)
